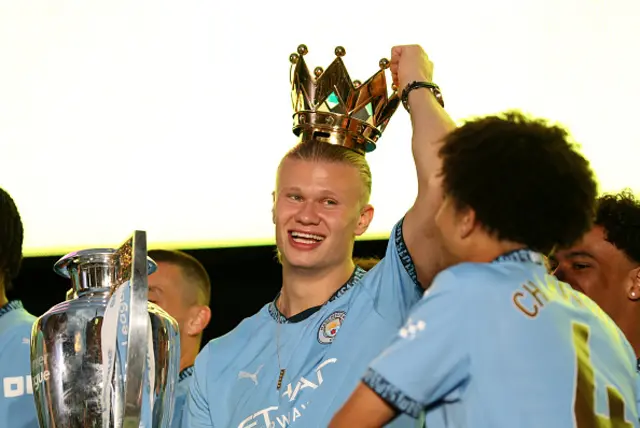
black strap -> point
(435, 90)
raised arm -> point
(430, 124)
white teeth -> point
(305, 241)
(306, 237)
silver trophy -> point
(105, 357)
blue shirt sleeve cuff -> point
(392, 395)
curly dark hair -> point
(11, 237)
(523, 178)
(619, 215)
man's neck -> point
(488, 250)
(631, 330)
(305, 288)
(188, 353)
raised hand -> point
(410, 63)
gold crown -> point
(334, 109)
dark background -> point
(242, 280)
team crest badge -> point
(330, 326)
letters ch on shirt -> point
(16, 386)
(267, 417)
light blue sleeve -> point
(196, 412)
(393, 281)
(17, 406)
(428, 359)
(638, 393)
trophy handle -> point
(134, 267)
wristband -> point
(435, 90)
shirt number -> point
(584, 405)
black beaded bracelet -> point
(435, 90)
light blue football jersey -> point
(324, 353)
(182, 392)
(17, 406)
(638, 388)
(506, 345)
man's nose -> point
(307, 214)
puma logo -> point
(252, 376)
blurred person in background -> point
(605, 264)
(181, 287)
(17, 406)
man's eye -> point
(580, 266)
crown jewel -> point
(329, 106)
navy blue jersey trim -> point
(12, 305)
(404, 256)
(392, 395)
(186, 373)
(522, 255)
(275, 313)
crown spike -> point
(293, 58)
(384, 64)
(340, 51)
(302, 50)
(318, 71)
(357, 83)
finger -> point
(396, 53)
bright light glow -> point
(171, 117)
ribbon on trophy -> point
(115, 348)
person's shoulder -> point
(24, 318)
(466, 274)
(16, 323)
(221, 351)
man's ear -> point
(199, 317)
(366, 215)
(633, 289)
(467, 222)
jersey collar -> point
(11, 306)
(522, 255)
(275, 313)
(185, 373)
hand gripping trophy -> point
(105, 357)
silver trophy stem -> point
(138, 329)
